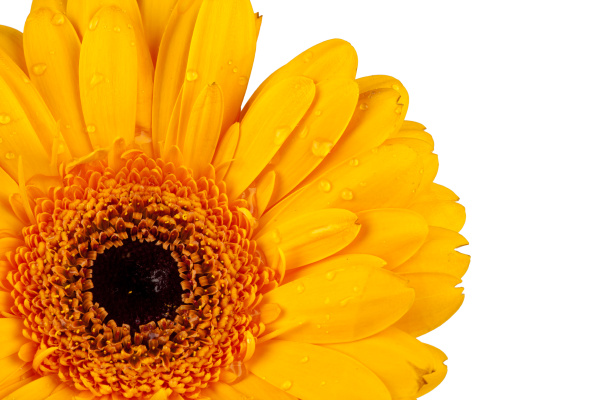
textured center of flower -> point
(137, 283)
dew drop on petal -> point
(276, 236)
(94, 24)
(308, 56)
(300, 288)
(58, 19)
(321, 148)
(325, 186)
(10, 156)
(242, 80)
(304, 360)
(281, 134)
(39, 69)
(191, 75)
(364, 106)
(318, 113)
(117, 29)
(396, 87)
(91, 129)
(303, 133)
(354, 162)
(330, 275)
(286, 385)
(4, 119)
(96, 79)
(347, 194)
(235, 70)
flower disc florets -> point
(83, 227)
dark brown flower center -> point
(137, 283)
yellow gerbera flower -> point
(158, 241)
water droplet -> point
(318, 113)
(132, 44)
(354, 162)
(276, 236)
(303, 133)
(344, 302)
(304, 360)
(94, 24)
(327, 317)
(91, 128)
(39, 69)
(325, 186)
(58, 19)
(117, 29)
(331, 275)
(230, 62)
(235, 70)
(364, 106)
(242, 80)
(4, 119)
(308, 56)
(347, 194)
(421, 171)
(399, 109)
(26, 79)
(286, 385)
(321, 148)
(191, 75)
(396, 87)
(10, 156)
(1, 140)
(129, 26)
(281, 134)
(96, 80)
(318, 326)
(300, 288)
(322, 383)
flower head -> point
(157, 240)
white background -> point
(511, 92)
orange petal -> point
(11, 43)
(254, 387)
(439, 207)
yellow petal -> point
(339, 305)
(254, 387)
(439, 207)
(266, 126)
(404, 364)
(413, 130)
(31, 102)
(393, 234)
(8, 221)
(12, 338)
(155, 15)
(38, 389)
(309, 237)
(226, 150)
(58, 5)
(334, 263)
(52, 51)
(222, 391)
(222, 51)
(204, 127)
(19, 138)
(160, 395)
(170, 67)
(316, 134)
(334, 58)
(377, 115)
(312, 372)
(438, 255)
(384, 177)
(108, 77)
(65, 393)
(7, 389)
(436, 299)
(264, 192)
(11, 43)
(11, 367)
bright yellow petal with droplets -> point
(438, 255)
(393, 234)
(200, 141)
(12, 338)
(340, 305)
(19, 139)
(402, 362)
(413, 130)
(316, 134)
(312, 372)
(10, 367)
(439, 207)
(267, 125)
(430, 160)
(375, 82)
(8, 221)
(334, 263)
(170, 67)
(58, 5)
(38, 389)
(377, 115)
(52, 51)
(155, 15)
(254, 387)
(222, 51)
(144, 60)
(358, 184)
(108, 77)
(226, 150)
(436, 299)
(11, 43)
(30, 101)
(222, 391)
(334, 58)
(308, 238)
(264, 191)
(66, 393)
